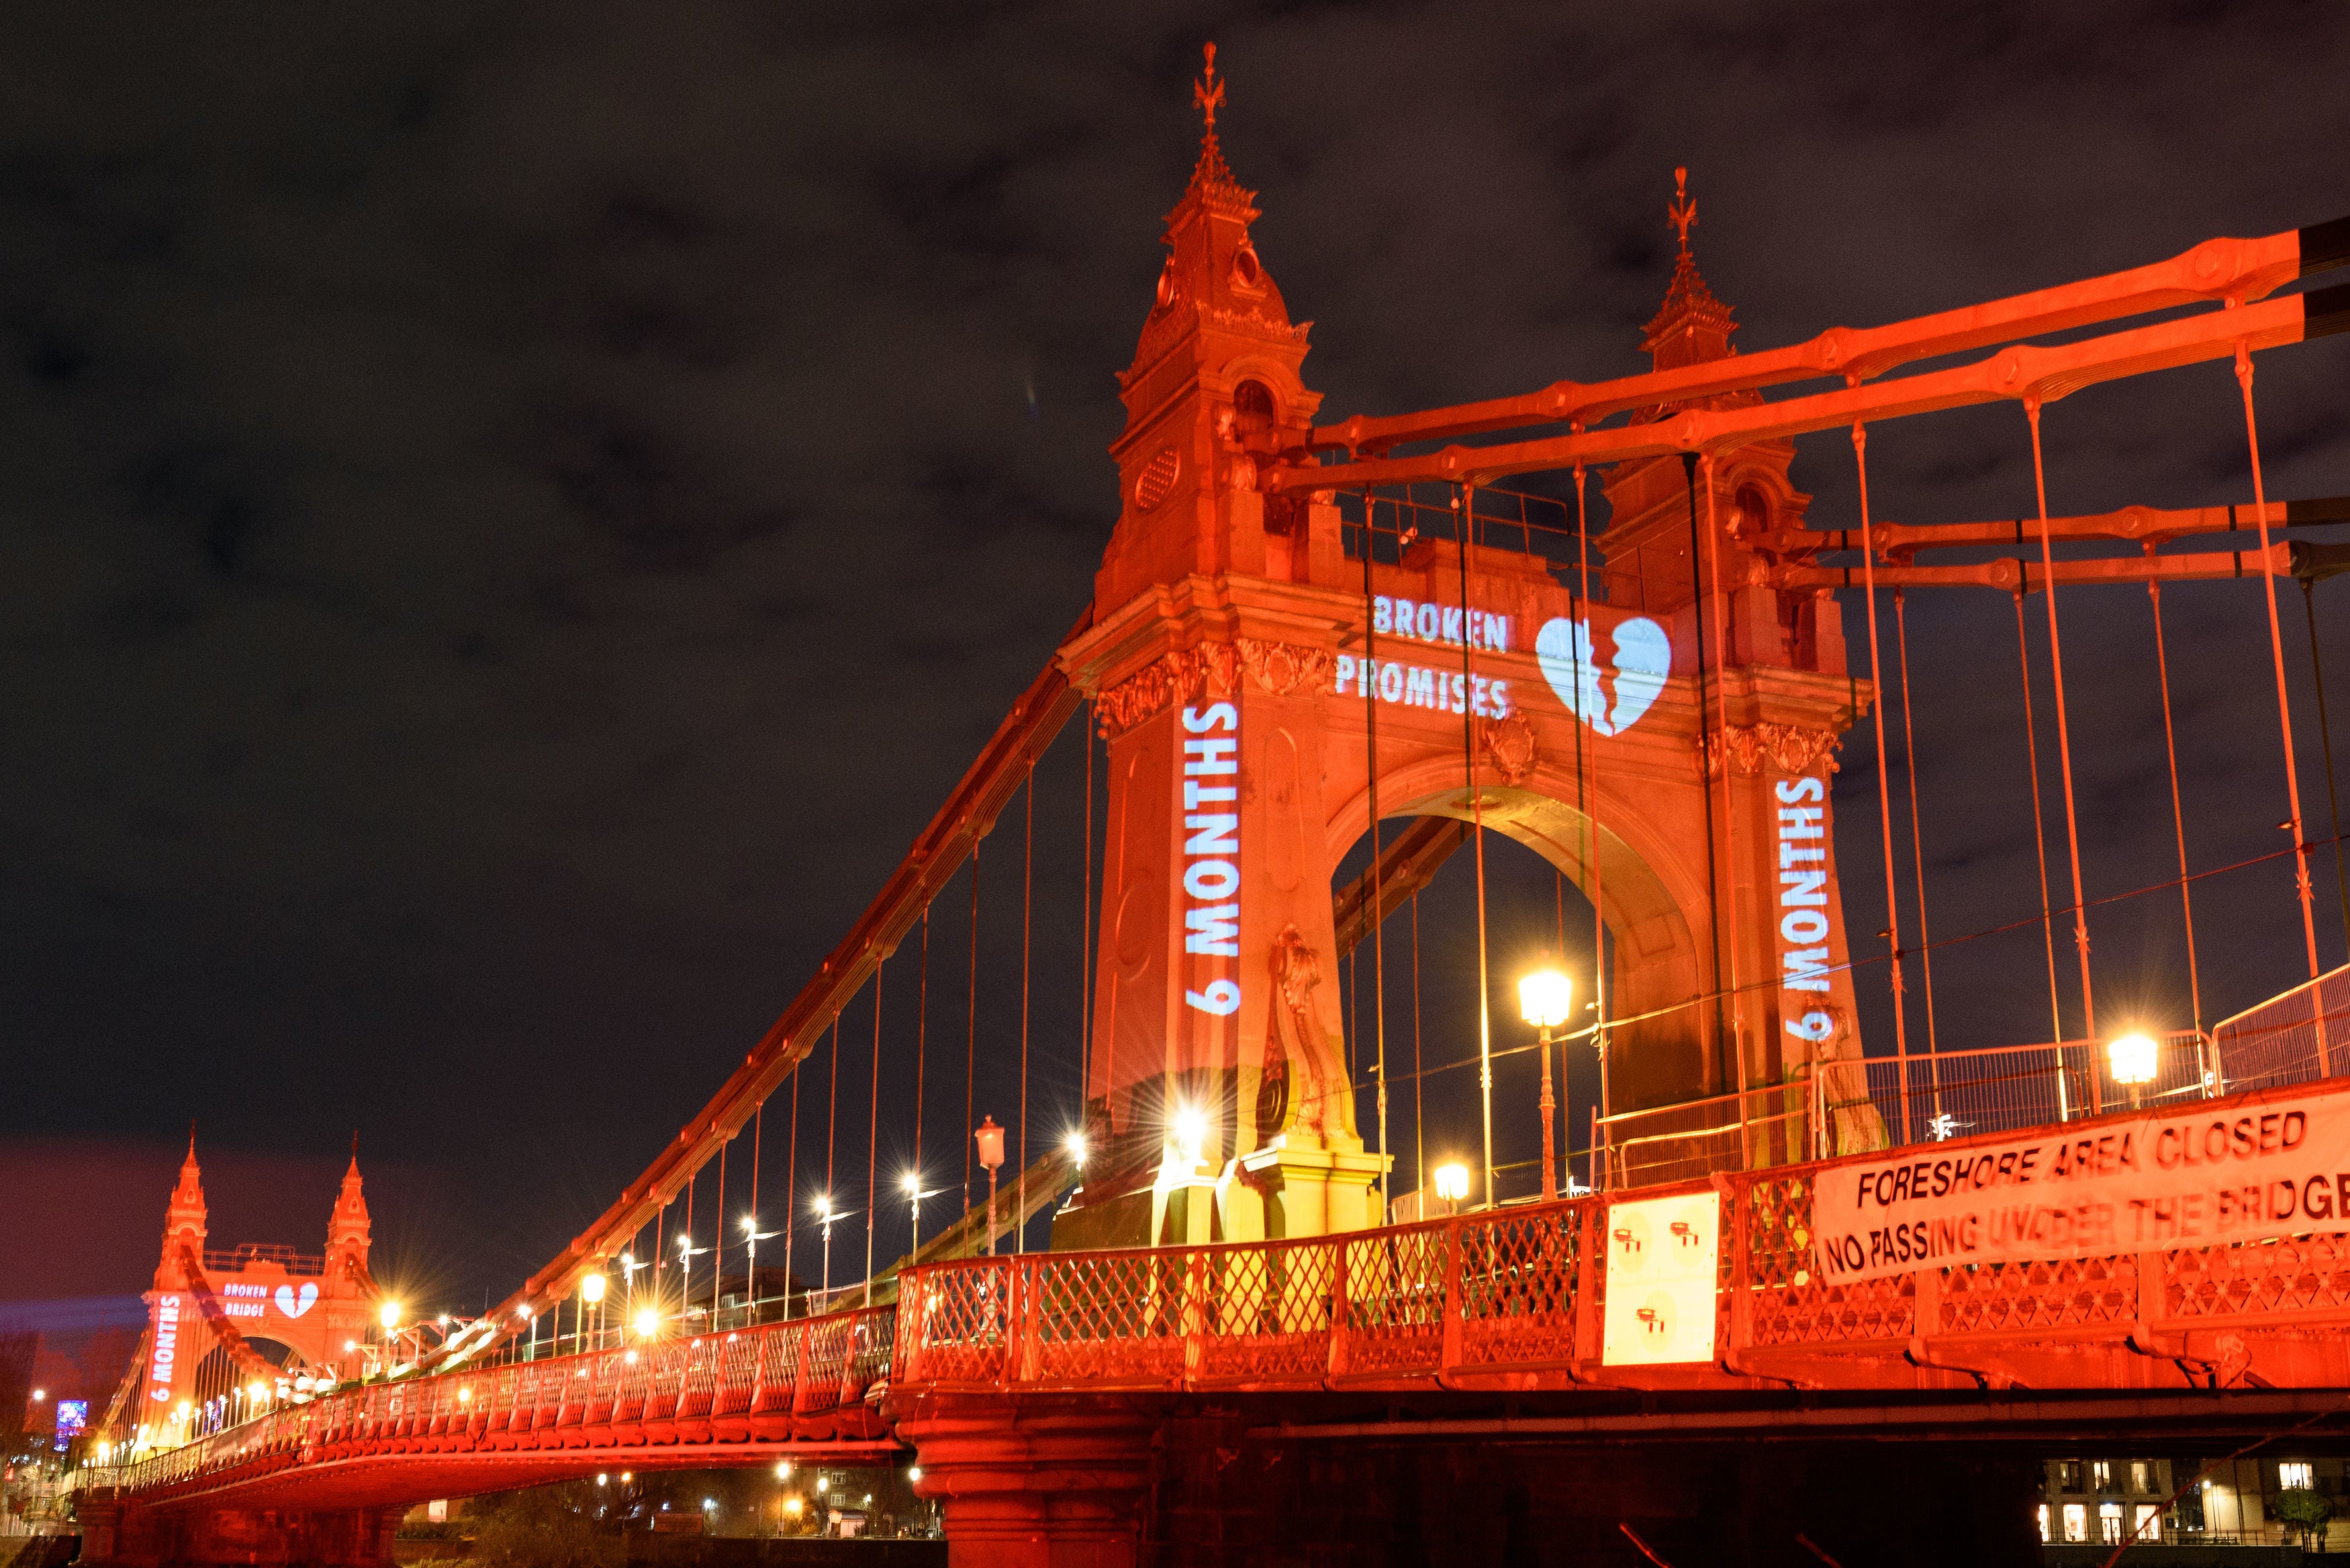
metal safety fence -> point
(783, 1381)
(2302, 1036)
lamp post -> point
(1452, 1182)
(388, 1316)
(753, 1236)
(913, 1185)
(591, 1293)
(990, 1139)
(2131, 1058)
(1543, 1000)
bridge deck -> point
(1512, 1301)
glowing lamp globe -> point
(990, 1139)
(2131, 1058)
(591, 1289)
(1452, 1182)
(1544, 998)
(389, 1315)
(648, 1323)
(1191, 1129)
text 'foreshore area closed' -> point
(2230, 1170)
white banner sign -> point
(2177, 1180)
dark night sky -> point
(512, 516)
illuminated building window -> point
(2292, 1473)
(2043, 1521)
(2148, 1521)
(2068, 1475)
(2102, 1473)
(2109, 1523)
(2076, 1522)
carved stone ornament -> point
(1211, 671)
(1510, 746)
(1789, 748)
(1281, 667)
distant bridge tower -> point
(216, 1318)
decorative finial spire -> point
(1211, 178)
(1682, 210)
(1693, 325)
(1209, 93)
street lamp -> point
(913, 1185)
(990, 1139)
(591, 1293)
(825, 1217)
(1452, 1182)
(753, 1236)
(1544, 998)
(1191, 1129)
(648, 1323)
(2131, 1059)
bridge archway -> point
(1655, 914)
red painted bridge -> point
(1803, 1252)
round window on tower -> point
(1246, 273)
(1166, 285)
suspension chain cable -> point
(718, 1236)
(873, 1133)
(1418, 1101)
(2276, 656)
(751, 1262)
(1589, 805)
(1722, 639)
(2038, 827)
(922, 1065)
(2177, 809)
(792, 1200)
(2325, 735)
(1085, 933)
(1467, 500)
(2064, 743)
(971, 1039)
(1378, 909)
(1917, 846)
(1719, 1062)
(1027, 890)
(831, 1131)
(1884, 778)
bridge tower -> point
(1773, 695)
(205, 1301)
(1218, 1090)
(1235, 654)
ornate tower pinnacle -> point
(1693, 325)
(185, 1220)
(349, 1230)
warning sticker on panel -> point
(1662, 1254)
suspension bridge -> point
(1321, 661)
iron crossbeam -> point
(2019, 374)
(2015, 576)
(1895, 542)
(2216, 269)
